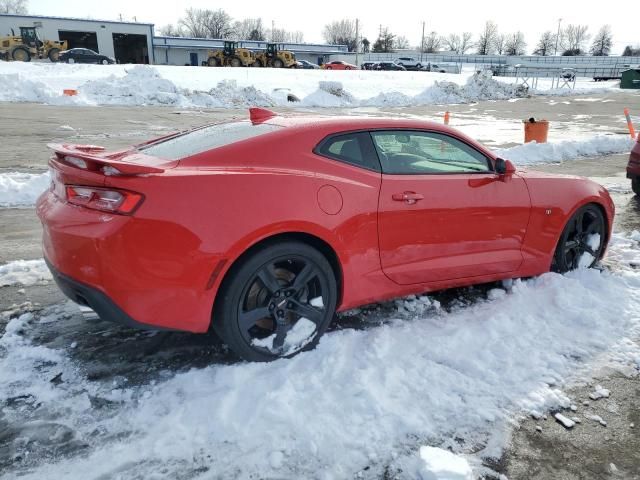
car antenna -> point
(258, 115)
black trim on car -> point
(368, 150)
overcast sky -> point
(402, 17)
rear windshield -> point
(206, 138)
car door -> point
(443, 213)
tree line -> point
(206, 23)
(571, 40)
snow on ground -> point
(552, 152)
(361, 401)
(23, 272)
(229, 87)
(21, 189)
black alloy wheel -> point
(582, 241)
(276, 303)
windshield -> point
(206, 138)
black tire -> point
(21, 54)
(105, 61)
(576, 240)
(53, 55)
(213, 62)
(235, 62)
(278, 282)
(257, 64)
(71, 60)
(635, 185)
(277, 63)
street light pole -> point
(558, 36)
(422, 43)
(357, 42)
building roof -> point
(75, 19)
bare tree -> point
(432, 43)
(341, 32)
(16, 7)
(515, 44)
(402, 42)
(486, 42)
(574, 38)
(545, 44)
(278, 35)
(171, 30)
(249, 29)
(195, 22)
(296, 36)
(452, 42)
(602, 42)
(219, 24)
(500, 43)
(466, 43)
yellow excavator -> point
(27, 45)
(275, 57)
(231, 56)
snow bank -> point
(24, 272)
(191, 87)
(359, 400)
(21, 189)
(437, 464)
(531, 153)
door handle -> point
(407, 197)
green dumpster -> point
(630, 78)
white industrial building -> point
(133, 42)
(127, 42)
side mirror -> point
(504, 167)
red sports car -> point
(339, 65)
(263, 228)
(633, 167)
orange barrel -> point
(535, 130)
(69, 92)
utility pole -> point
(558, 36)
(357, 42)
(422, 43)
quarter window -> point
(411, 152)
(353, 148)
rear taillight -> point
(123, 202)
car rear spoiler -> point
(93, 158)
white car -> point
(409, 63)
(443, 67)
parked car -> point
(633, 167)
(84, 55)
(307, 65)
(409, 63)
(443, 68)
(339, 65)
(369, 65)
(390, 66)
(327, 214)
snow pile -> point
(437, 464)
(22, 189)
(329, 94)
(228, 94)
(24, 272)
(17, 88)
(531, 153)
(358, 401)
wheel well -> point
(323, 247)
(604, 215)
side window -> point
(410, 152)
(353, 148)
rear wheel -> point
(54, 54)
(105, 61)
(213, 62)
(277, 63)
(21, 54)
(235, 62)
(582, 240)
(70, 60)
(277, 302)
(635, 185)
(257, 64)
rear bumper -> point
(93, 298)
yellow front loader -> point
(27, 45)
(231, 56)
(274, 57)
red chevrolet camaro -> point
(263, 228)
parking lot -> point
(34, 433)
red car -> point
(263, 228)
(339, 65)
(633, 168)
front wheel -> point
(70, 60)
(635, 185)
(105, 62)
(277, 302)
(235, 62)
(582, 241)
